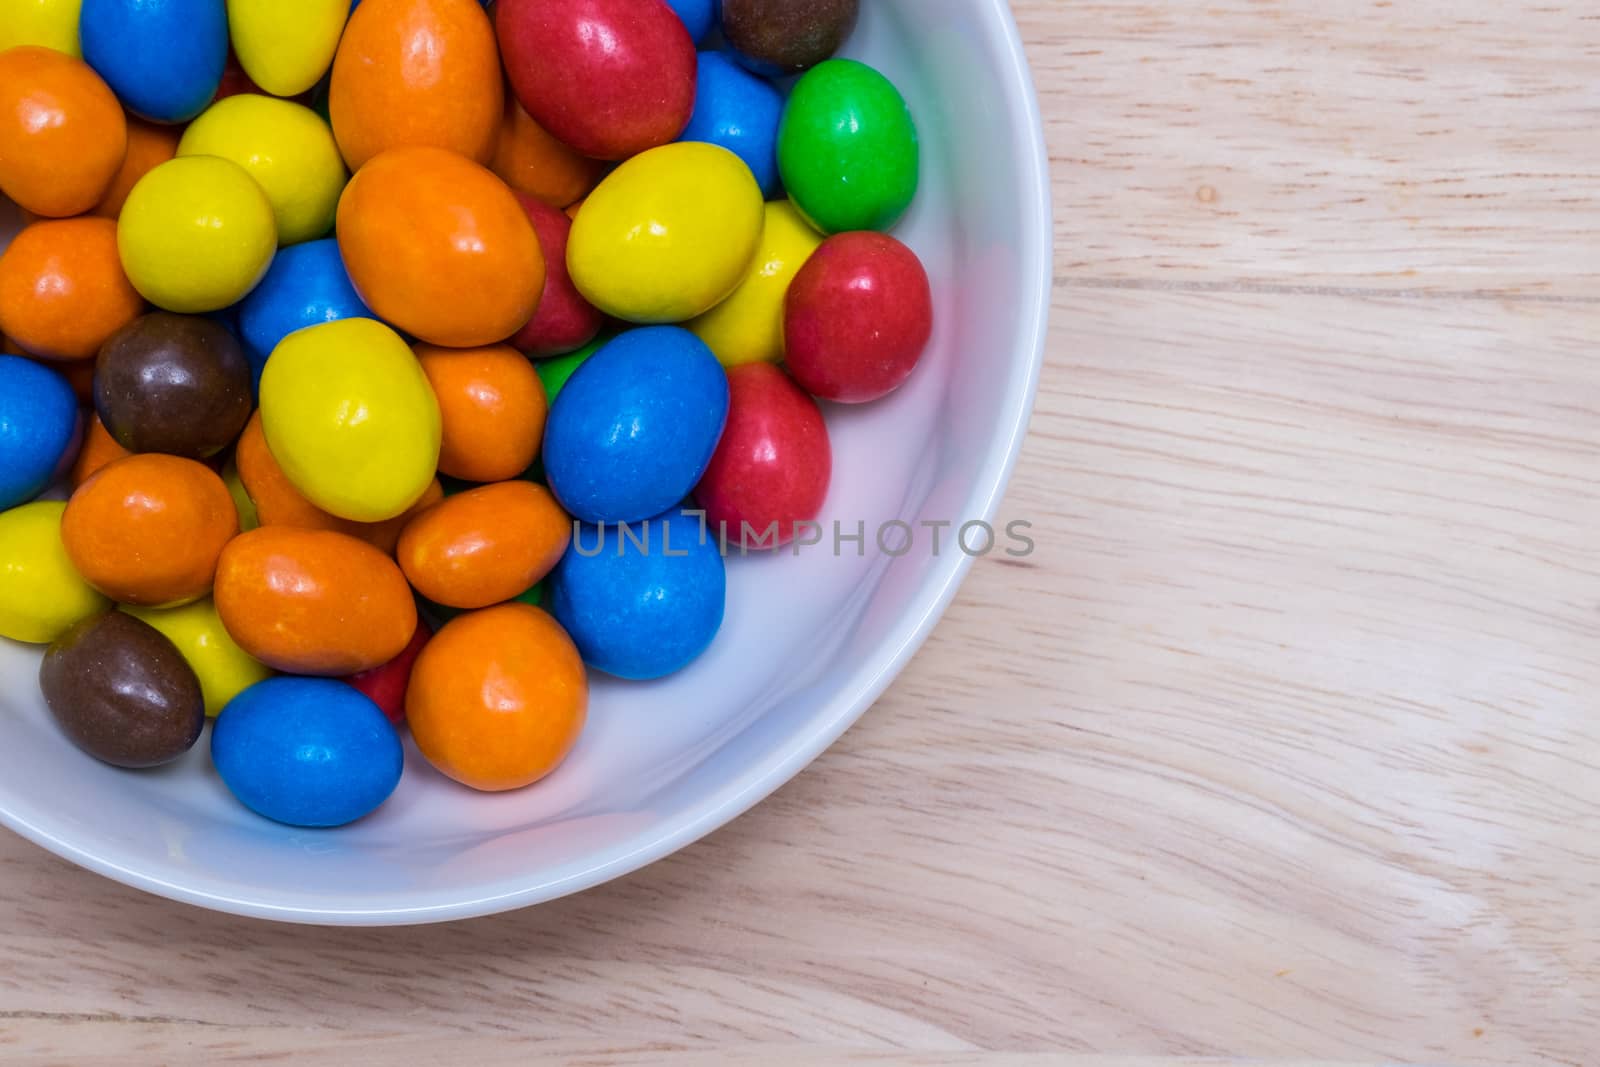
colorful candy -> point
(41, 594)
(416, 73)
(285, 46)
(634, 428)
(149, 146)
(122, 692)
(565, 321)
(463, 270)
(858, 317)
(313, 601)
(492, 411)
(276, 502)
(62, 289)
(148, 529)
(641, 611)
(739, 111)
(62, 133)
(668, 235)
(99, 449)
(39, 424)
(164, 58)
(748, 326)
(234, 81)
(771, 470)
(555, 373)
(498, 698)
(386, 686)
(173, 383)
(485, 546)
(242, 504)
(847, 148)
(786, 36)
(286, 148)
(196, 234)
(531, 161)
(306, 751)
(611, 78)
(223, 669)
(697, 16)
(533, 596)
(488, 371)
(351, 419)
(51, 23)
(306, 285)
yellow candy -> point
(51, 23)
(224, 669)
(351, 419)
(248, 519)
(748, 326)
(668, 235)
(196, 234)
(286, 45)
(286, 148)
(41, 595)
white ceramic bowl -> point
(809, 643)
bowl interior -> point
(809, 641)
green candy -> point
(847, 148)
(555, 372)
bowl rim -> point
(758, 781)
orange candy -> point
(440, 248)
(149, 146)
(62, 132)
(148, 529)
(279, 503)
(62, 290)
(485, 546)
(492, 407)
(532, 161)
(498, 697)
(313, 601)
(416, 72)
(99, 450)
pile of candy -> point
(385, 314)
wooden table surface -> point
(1284, 746)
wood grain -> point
(1283, 746)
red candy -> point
(385, 686)
(610, 78)
(857, 318)
(565, 321)
(773, 463)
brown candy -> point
(786, 36)
(178, 384)
(122, 692)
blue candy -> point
(305, 286)
(697, 16)
(38, 427)
(741, 112)
(306, 751)
(634, 429)
(641, 612)
(163, 58)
